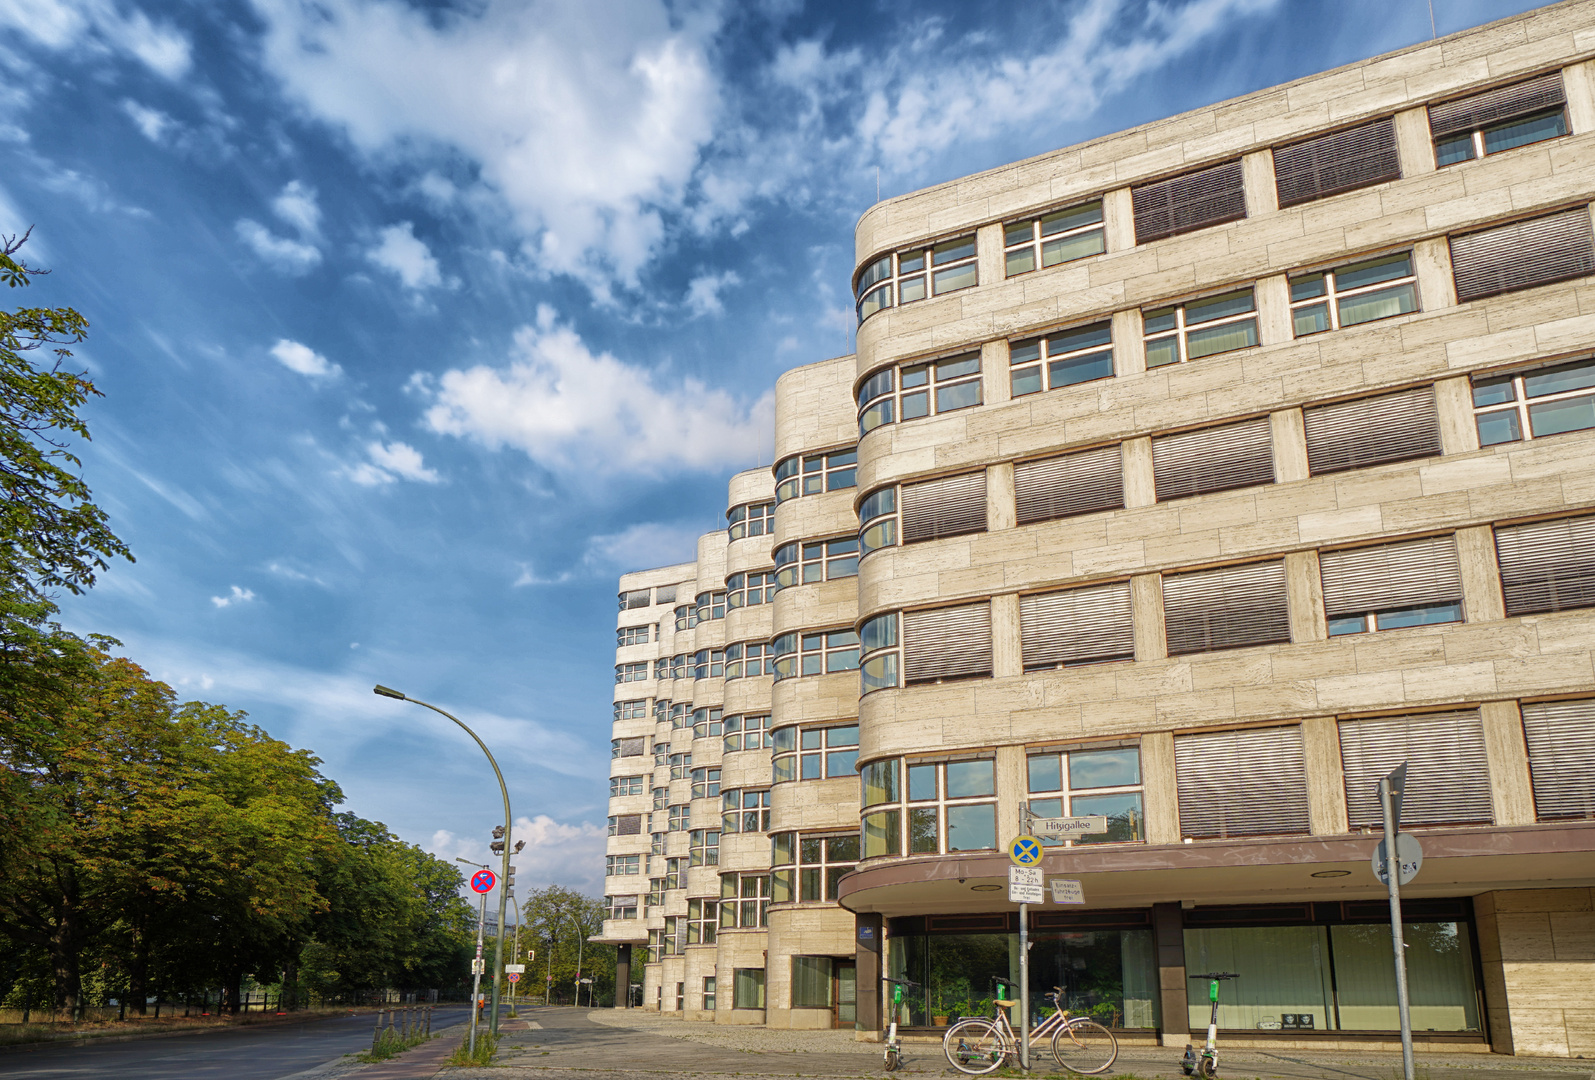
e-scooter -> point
(894, 1045)
(1206, 1064)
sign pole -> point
(1024, 986)
(1391, 790)
(476, 968)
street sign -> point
(515, 969)
(483, 881)
(1026, 885)
(1065, 891)
(1397, 782)
(478, 966)
(1025, 850)
(1409, 859)
(1061, 828)
(514, 976)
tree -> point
(563, 919)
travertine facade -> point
(1227, 703)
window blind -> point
(1076, 626)
(1503, 103)
(1561, 744)
(1448, 776)
(1072, 484)
(950, 506)
(628, 825)
(947, 642)
(1337, 162)
(631, 747)
(1414, 573)
(1370, 431)
(1209, 196)
(1523, 254)
(1227, 608)
(1547, 565)
(1213, 459)
(1242, 783)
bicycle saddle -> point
(1007, 1004)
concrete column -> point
(1013, 791)
(1274, 326)
(995, 384)
(1129, 348)
(1140, 489)
(622, 976)
(1006, 658)
(1168, 935)
(1257, 176)
(1431, 264)
(1001, 512)
(1304, 597)
(1453, 403)
(1158, 792)
(1414, 144)
(1146, 617)
(867, 934)
(1511, 789)
(1481, 574)
(1578, 82)
(1326, 783)
(988, 253)
(1118, 219)
(1289, 431)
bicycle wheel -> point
(1208, 1066)
(1085, 1046)
(893, 1059)
(974, 1046)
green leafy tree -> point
(562, 920)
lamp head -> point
(386, 691)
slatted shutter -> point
(1448, 775)
(1076, 626)
(947, 643)
(1227, 608)
(1503, 103)
(1242, 783)
(1213, 459)
(1547, 565)
(1337, 162)
(628, 825)
(632, 747)
(1073, 484)
(950, 506)
(1195, 200)
(1370, 431)
(1523, 254)
(1389, 577)
(1561, 743)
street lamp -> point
(498, 950)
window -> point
(821, 560)
(1391, 586)
(747, 732)
(621, 907)
(662, 668)
(916, 390)
(627, 747)
(665, 594)
(706, 722)
(661, 754)
(661, 797)
(636, 598)
(625, 825)
(1446, 749)
(1076, 626)
(950, 806)
(631, 710)
(1206, 327)
(708, 993)
(676, 873)
(745, 811)
(1058, 237)
(680, 668)
(625, 673)
(625, 785)
(877, 519)
(1371, 431)
(708, 664)
(672, 942)
(750, 589)
(811, 474)
(706, 783)
(1227, 608)
(947, 643)
(686, 616)
(1213, 459)
(1071, 356)
(815, 653)
(656, 893)
(1251, 782)
(948, 506)
(631, 635)
(702, 921)
(680, 717)
(680, 766)
(680, 817)
(1079, 483)
(704, 844)
(815, 753)
(657, 847)
(1347, 295)
(1341, 161)
(1539, 251)
(1561, 744)
(807, 868)
(743, 900)
(1194, 200)
(1089, 783)
(711, 605)
(1499, 119)
(878, 787)
(951, 267)
(747, 988)
(745, 659)
(878, 642)
(1547, 565)
(1535, 403)
(622, 865)
(751, 519)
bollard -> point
(376, 1036)
(429, 1021)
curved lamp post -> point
(503, 881)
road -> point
(245, 1053)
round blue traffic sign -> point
(1025, 851)
(483, 881)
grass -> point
(486, 1047)
(390, 1044)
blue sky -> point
(418, 323)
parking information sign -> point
(1025, 851)
(515, 969)
(515, 976)
(1026, 885)
(483, 881)
(1065, 891)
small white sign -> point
(1026, 885)
(515, 969)
(1061, 828)
(1409, 859)
(478, 966)
(1065, 891)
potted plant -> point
(938, 1015)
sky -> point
(419, 323)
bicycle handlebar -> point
(910, 983)
(1215, 975)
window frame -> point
(750, 519)
(703, 847)
(889, 389)
(896, 814)
(629, 635)
(714, 602)
(828, 559)
(1331, 296)
(1182, 329)
(816, 473)
(1046, 364)
(628, 865)
(792, 870)
(825, 649)
(1066, 794)
(621, 787)
(748, 660)
(919, 268)
(744, 900)
(750, 589)
(630, 673)
(1521, 406)
(632, 709)
(751, 802)
(705, 780)
(740, 731)
(815, 744)
(1036, 239)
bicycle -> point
(1206, 1065)
(977, 1045)
(894, 1045)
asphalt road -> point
(247, 1053)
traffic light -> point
(498, 840)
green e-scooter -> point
(1206, 1064)
(894, 1045)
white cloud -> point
(303, 359)
(152, 123)
(296, 204)
(406, 257)
(556, 853)
(279, 252)
(103, 26)
(387, 462)
(573, 410)
(703, 292)
(237, 596)
(646, 544)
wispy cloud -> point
(303, 359)
(278, 252)
(404, 255)
(101, 26)
(151, 123)
(237, 596)
(703, 292)
(387, 462)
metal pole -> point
(1393, 873)
(476, 972)
(516, 952)
(548, 983)
(1024, 986)
(581, 940)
